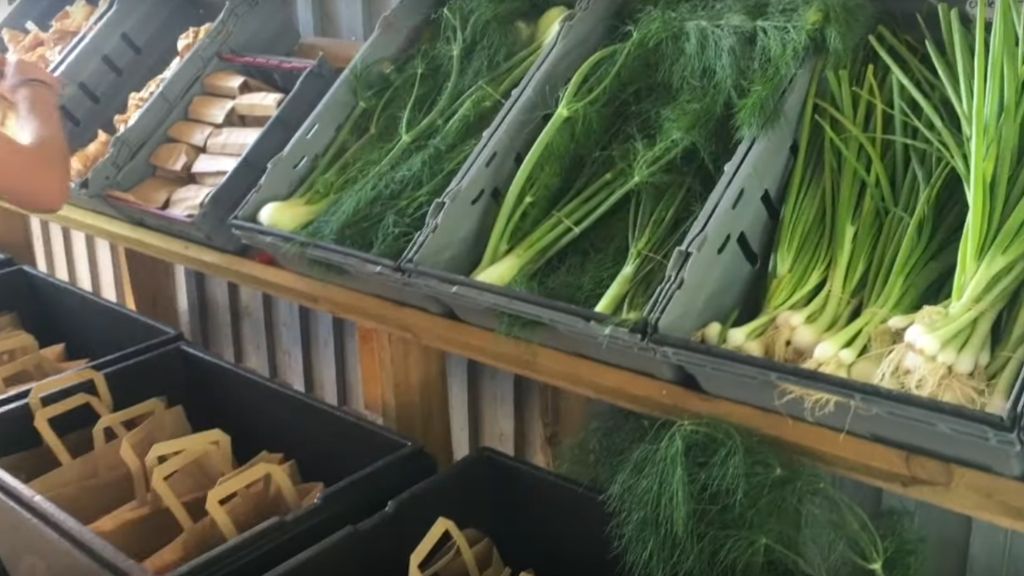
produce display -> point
(23, 362)
(44, 48)
(147, 482)
(896, 261)
(630, 155)
(463, 553)
(222, 124)
(419, 117)
(84, 160)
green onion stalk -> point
(802, 252)
(631, 128)
(905, 253)
(415, 124)
(969, 106)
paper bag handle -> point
(24, 363)
(433, 538)
(216, 497)
(171, 467)
(116, 422)
(215, 438)
(44, 415)
(67, 380)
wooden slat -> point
(985, 496)
(40, 243)
(59, 260)
(404, 382)
(352, 373)
(107, 280)
(496, 394)
(81, 260)
(532, 423)
(219, 319)
(288, 346)
(462, 414)
(254, 333)
(324, 380)
(152, 287)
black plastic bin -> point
(362, 466)
(537, 520)
(6, 261)
(93, 328)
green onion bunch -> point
(969, 107)
(640, 136)
(417, 121)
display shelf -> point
(978, 494)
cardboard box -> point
(174, 158)
(212, 110)
(233, 141)
(152, 192)
(215, 164)
(231, 84)
(188, 200)
(191, 133)
(259, 104)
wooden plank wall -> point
(337, 362)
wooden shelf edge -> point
(985, 496)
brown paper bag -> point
(96, 483)
(26, 371)
(463, 555)
(241, 501)
(212, 110)
(191, 133)
(152, 192)
(33, 463)
(177, 494)
(232, 141)
(188, 200)
(467, 553)
(9, 321)
(15, 344)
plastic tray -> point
(55, 312)
(155, 28)
(397, 30)
(306, 83)
(362, 465)
(714, 275)
(537, 520)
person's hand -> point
(17, 75)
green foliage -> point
(418, 121)
(699, 498)
(653, 118)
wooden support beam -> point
(405, 383)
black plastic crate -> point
(41, 13)
(362, 466)
(55, 312)
(537, 521)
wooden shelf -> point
(984, 496)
